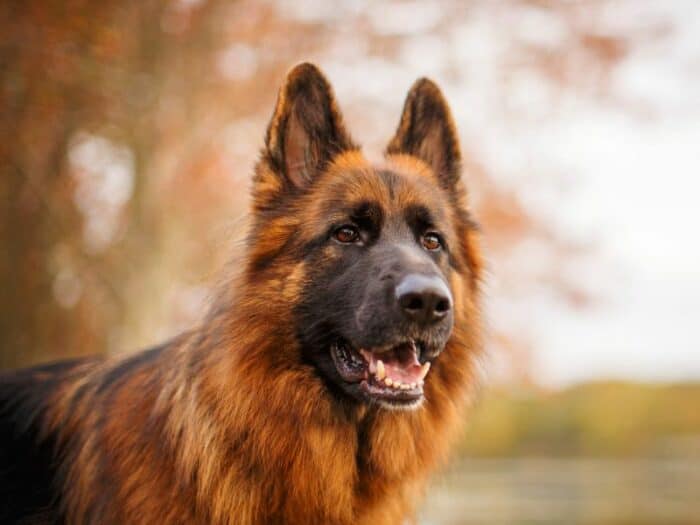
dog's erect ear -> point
(427, 131)
(306, 130)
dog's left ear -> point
(427, 131)
(306, 130)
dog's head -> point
(376, 264)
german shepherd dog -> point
(328, 378)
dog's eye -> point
(431, 241)
(346, 234)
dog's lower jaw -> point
(402, 407)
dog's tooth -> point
(381, 372)
(424, 370)
(372, 367)
(413, 386)
(388, 381)
(405, 386)
(398, 384)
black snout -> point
(423, 299)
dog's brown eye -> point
(346, 234)
(431, 241)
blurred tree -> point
(90, 73)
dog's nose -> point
(422, 298)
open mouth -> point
(393, 375)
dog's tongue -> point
(400, 364)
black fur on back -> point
(27, 459)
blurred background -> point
(128, 133)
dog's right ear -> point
(427, 131)
(305, 133)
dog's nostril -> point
(413, 303)
(442, 306)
